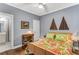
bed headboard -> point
(69, 35)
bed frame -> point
(38, 51)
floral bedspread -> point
(56, 47)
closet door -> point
(36, 29)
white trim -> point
(12, 42)
(9, 48)
(12, 30)
(5, 50)
(5, 14)
(43, 13)
(17, 46)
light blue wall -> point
(71, 15)
(18, 16)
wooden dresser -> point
(27, 38)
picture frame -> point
(24, 25)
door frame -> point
(11, 27)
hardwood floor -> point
(18, 51)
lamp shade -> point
(29, 32)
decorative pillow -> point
(50, 35)
(61, 37)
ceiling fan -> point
(43, 6)
(40, 6)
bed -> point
(55, 43)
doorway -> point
(6, 31)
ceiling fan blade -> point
(45, 8)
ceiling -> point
(48, 7)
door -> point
(36, 29)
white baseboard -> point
(5, 47)
(17, 46)
(3, 50)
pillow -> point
(50, 35)
(61, 37)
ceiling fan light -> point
(41, 6)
